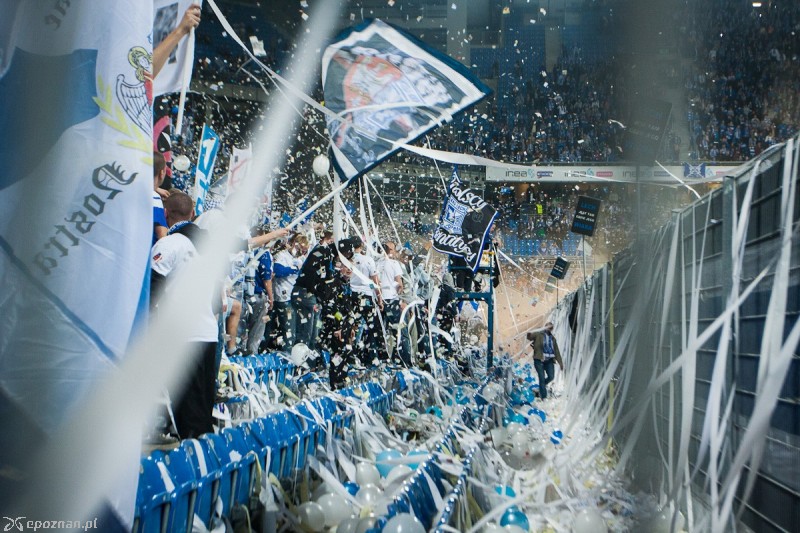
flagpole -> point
(186, 78)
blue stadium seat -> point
(245, 466)
(182, 471)
(204, 460)
(182, 493)
(152, 500)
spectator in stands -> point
(312, 286)
(190, 20)
(261, 303)
(194, 401)
(288, 263)
(390, 274)
(545, 353)
(159, 220)
(366, 286)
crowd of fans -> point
(744, 83)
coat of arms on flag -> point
(465, 222)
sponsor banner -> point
(625, 174)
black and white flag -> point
(465, 222)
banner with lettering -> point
(465, 222)
(204, 170)
(76, 217)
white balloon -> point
(365, 524)
(299, 354)
(366, 474)
(311, 516)
(520, 438)
(514, 427)
(589, 521)
(322, 489)
(336, 508)
(348, 525)
(499, 436)
(404, 523)
(321, 165)
(491, 527)
(369, 494)
(512, 529)
(662, 522)
(181, 163)
(398, 472)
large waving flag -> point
(465, 222)
(75, 215)
(388, 88)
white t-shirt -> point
(388, 270)
(366, 266)
(282, 285)
(168, 257)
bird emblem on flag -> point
(137, 99)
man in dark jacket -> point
(313, 286)
(545, 353)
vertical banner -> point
(560, 268)
(209, 146)
(464, 224)
(240, 165)
(75, 214)
(167, 14)
(585, 219)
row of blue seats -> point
(266, 367)
(416, 496)
(188, 480)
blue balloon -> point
(351, 487)
(556, 437)
(521, 419)
(413, 466)
(382, 461)
(514, 517)
(505, 490)
(538, 412)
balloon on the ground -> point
(589, 521)
(421, 453)
(556, 437)
(366, 473)
(662, 522)
(384, 461)
(365, 524)
(311, 516)
(398, 472)
(404, 523)
(348, 525)
(335, 507)
(369, 494)
(514, 517)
